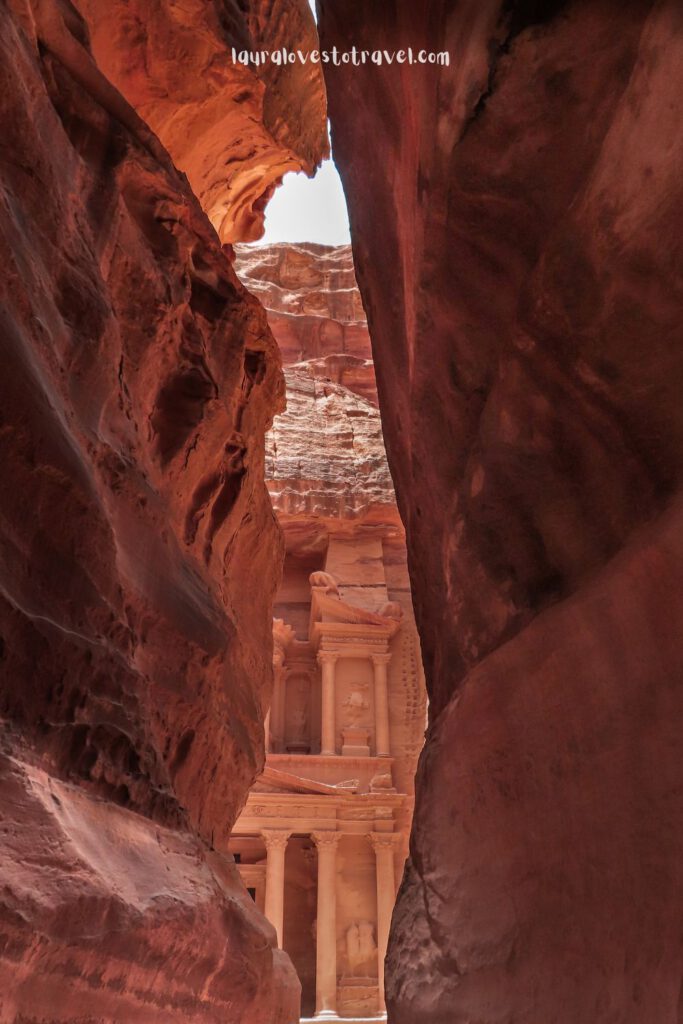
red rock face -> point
(139, 560)
(326, 466)
(233, 129)
(314, 310)
(109, 917)
(527, 337)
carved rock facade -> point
(323, 838)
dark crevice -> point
(182, 752)
(517, 16)
(255, 365)
(179, 407)
(523, 14)
(208, 300)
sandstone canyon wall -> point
(325, 456)
(233, 129)
(139, 558)
(516, 219)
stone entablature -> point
(356, 814)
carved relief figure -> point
(356, 705)
(366, 941)
(297, 711)
(353, 948)
(361, 949)
(382, 783)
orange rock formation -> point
(325, 457)
(233, 130)
(517, 223)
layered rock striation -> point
(139, 559)
(527, 338)
(325, 457)
(314, 310)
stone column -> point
(266, 731)
(326, 926)
(328, 743)
(276, 845)
(383, 844)
(382, 742)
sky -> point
(309, 209)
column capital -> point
(380, 659)
(326, 840)
(327, 656)
(275, 838)
(383, 840)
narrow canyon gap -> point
(516, 226)
(143, 409)
(323, 837)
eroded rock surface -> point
(314, 310)
(325, 457)
(130, 921)
(233, 129)
(139, 560)
(516, 221)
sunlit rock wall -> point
(325, 457)
(233, 129)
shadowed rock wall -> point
(516, 222)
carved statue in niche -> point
(297, 713)
(356, 704)
(361, 949)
